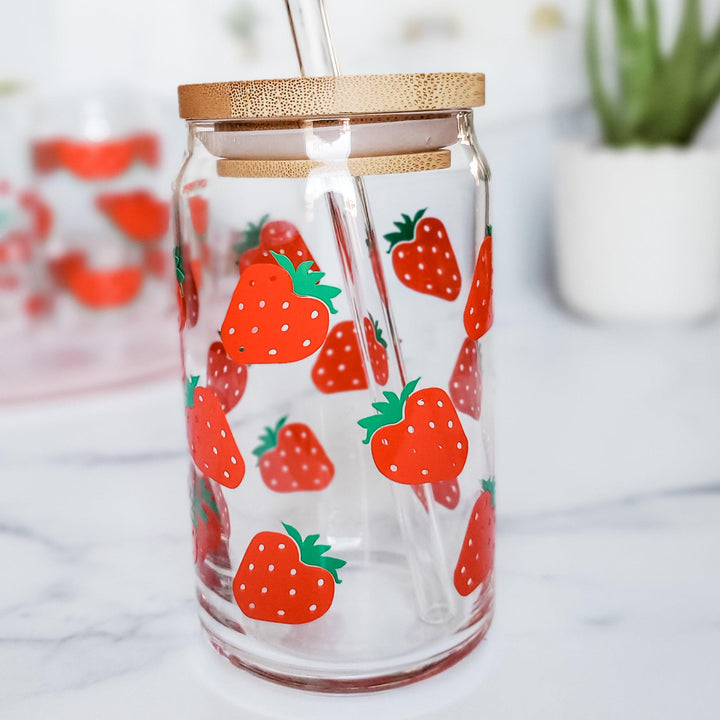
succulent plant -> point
(662, 97)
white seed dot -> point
(261, 304)
(215, 451)
(233, 460)
(292, 591)
(431, 424)
(231, 331)
(420, 402)
(254, 330)
(285, 328)
(407, 276)
(281, 546)
(263, 590)
(411, 429)
(321, 582)
(450, 423)
(393, 468)
(271, 568)
(440, 403)
(241, 306)
(261, 548)
(281, 612)
(251, 606)
(285, 305)
(306, 342)
(242, 586)
(272, 351)
(459, 446)
(313, 607)
(251, 566)
(226, 473)
(293, 571)
(314, 314)
(425, 472)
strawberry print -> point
(339, 366)
(478, 549)
(285, 579)
(278, 313)
(210, 531)
(198, 207)
(95, 160)
(465, 383)
(445, 493)
(263, 238)
(292, 459)
(187, 292)
(416, 438)
(212, 445)
(146, 148)
(423, 257)
(225, 377)
(478, 315)
(138, 214)
(101, 289)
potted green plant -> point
(638, 216)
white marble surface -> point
(609, 538)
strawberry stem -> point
(179, 269)
(313, 554)
(252, 236)
(190, 386)
(489, 486)
(306, 282)
(269, 439)
(389, 413)
(406, 229)
(488, 231)
(378, 331)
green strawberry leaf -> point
(204, 498)
(179, 268)
(389, 413)
(190, 384)
(269, 439)
(489, 486)
(306, 282)
(312, 554)
(378, 331)
(406, 229)
(252, 236)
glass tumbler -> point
(333, 251)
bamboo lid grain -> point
(331, 96)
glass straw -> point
(360, 258)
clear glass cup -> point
(335, 295)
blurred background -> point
(602, 136)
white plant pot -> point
(638, 232)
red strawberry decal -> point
(339, 366)
(292, 459)
(187, 293)
(423, 257)
(41, 213)
(478, 316)
(146, 148)
(478, 549)
(138, 214)
(212, 445)
(198, 207)
(100, 289)
(278, 236)
(210, 530)
(285, 579)
(465, 383)
(95, 160)
(225, 377)
(416, 438)
(445, 493)
(278, 313)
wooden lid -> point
(331, 96)
(357, 166)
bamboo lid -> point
(357, 166)
(331, 96)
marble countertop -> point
(609, 536)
